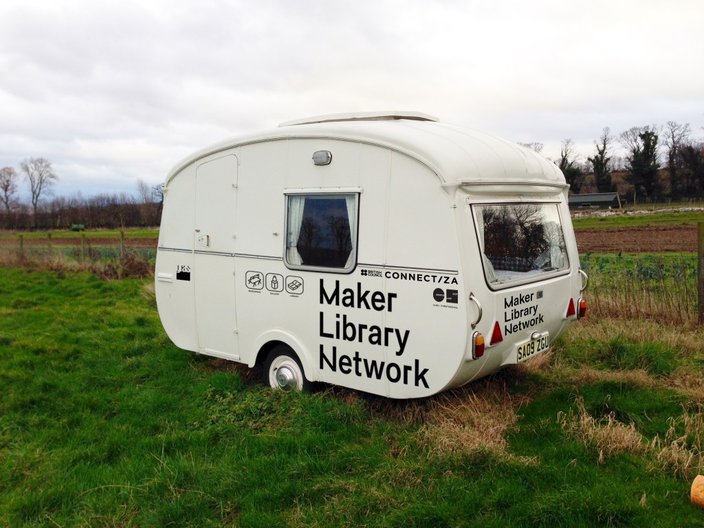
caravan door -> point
(214, 259)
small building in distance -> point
(607, 200)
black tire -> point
(283, 370)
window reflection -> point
(520, 240)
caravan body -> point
(392, 254)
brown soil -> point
(601, 240)
(638, 239)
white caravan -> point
(389, 253)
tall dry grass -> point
(477, 417)
(107, 265)
(679, 451)
(662, 287)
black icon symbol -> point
(438, 294)
(273, 282)
(451, 296)
(294, 285)
(253, 279)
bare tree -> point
(675, 138)
(144, 192)
(569, 166)
(41, 177)
(8, 188)
(601, 163)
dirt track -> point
(638, 239)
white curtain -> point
(351, 203)
(295, 220)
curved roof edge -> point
(361, 116)
(457, 155)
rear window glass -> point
(520, 242)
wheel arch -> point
(266, 342)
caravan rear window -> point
(321, 231)
(520, 242)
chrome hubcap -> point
(286, 378)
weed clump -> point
(679, 451)
(608, 435)
(127, 266)
(471, 419)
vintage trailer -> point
(389, 253)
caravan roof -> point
(459, 156)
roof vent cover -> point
(361, 116)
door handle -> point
(473, 298)
(585, 280)
(204, 240)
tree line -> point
(660, 163)
(44, 211)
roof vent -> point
(361, 116)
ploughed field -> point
(650, 239)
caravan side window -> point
(321, 231)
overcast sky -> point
(115, 91)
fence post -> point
(83, 248)
(21, 237)
(700, 270)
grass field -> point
(65, 234)
(638, 218)
(104, 423)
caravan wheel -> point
(284, 371)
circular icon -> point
(438, 294)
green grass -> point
(58, 234)
(621, 354)
(662, 286)
(103, 422)
(630, 218)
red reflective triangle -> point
(496, 336)
(570, 309)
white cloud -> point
(113, 91)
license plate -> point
(536, 345)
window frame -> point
(330, 193)
(498, 286)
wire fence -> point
(111, 258)
(643, 286)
